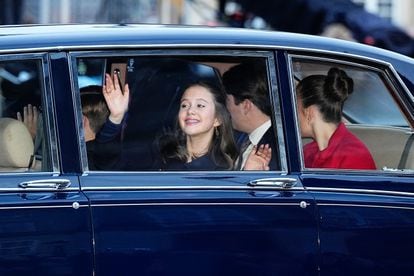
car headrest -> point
(16, 144)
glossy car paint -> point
(219, 225)
(365, 223)
(44, 231)
(200, 223)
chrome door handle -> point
(46, 184)
(274, 182)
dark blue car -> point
(59, 216)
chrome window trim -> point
(272, 86)
(394, 74)
(28, 173)
(277, 114)
(370, 192)
(189, 173)
(264, 47)
(41, 207)
(173, 52)
(293, 204)
(333, 60)
(402, 83)
(50, 115)
(193, 187)
(48, 108)
(77, 107)
(366, 206)
(382, 73)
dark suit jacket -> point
(270, 138)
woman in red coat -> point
(320, 102)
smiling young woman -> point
(203, 137)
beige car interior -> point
(391, 147)
(16, 146)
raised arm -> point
(116, 100)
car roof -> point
(75, 35)
(61, 37)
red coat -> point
(344, 151)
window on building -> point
(385, 9)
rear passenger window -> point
(171, 99)
(23, 128)
(371, 113)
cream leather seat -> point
(16, 145)
(391, 147)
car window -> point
(150, 136)
(371, 113)
(23, 128)
(371, 102)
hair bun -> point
(338, 86)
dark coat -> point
(270, 138)
(104, 153)
(103, 156)
(203, 163)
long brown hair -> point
(222, 149)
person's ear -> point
(311, 113)
(85, 121)
(247, 106)
(217, 122)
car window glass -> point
(371, 102)
(371, 113)
(156, 86)
(22, 128)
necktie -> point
(245, 144)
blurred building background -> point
(399, 12)
(384, 23)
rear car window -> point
(156, 86)
(23, 124)
(372, 113)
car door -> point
(366, 217)
(45, 220)
(156, 222)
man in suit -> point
(249, 105)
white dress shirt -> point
(254, 138)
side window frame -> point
(391, 80)
(47, 101)
(207, 53)
(402, 93)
